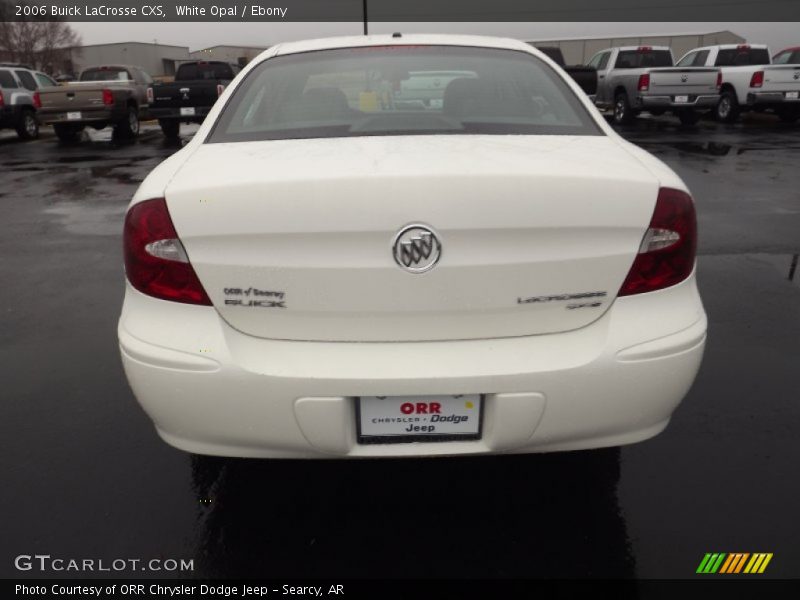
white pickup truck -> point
(632, 79)
(749, 80)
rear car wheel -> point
(789, 114)
(623, 113)
(28, 126)
(170, 127)
(727, 110)
(68, 134)
(688, 117)
(129, 128)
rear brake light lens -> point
(108, 97)
(156, 263)
(644, 49)
(644, 82)
(37, 100)
(757, 80)
(220, 89)
(719, 80)
(2, 99)
(666, 255)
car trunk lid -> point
(294, 239)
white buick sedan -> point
(409, 246)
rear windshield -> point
(636, 59)
(205, 70)
(790, 57)
(736, 57)
(7, 80)
(105, 74)
(401, 90)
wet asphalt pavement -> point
(85, 475)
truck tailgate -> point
(783, 78)
(185, 93)
(671, 81)
(59, 99)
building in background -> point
(159, 60)
(579, 51)
(240, 55)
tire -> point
(171, 128)
(28, 126)
(623, 113)
(688, 117)
(727, 109)
(129, 128)
(789, 115)
(69, 134)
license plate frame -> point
(682, 99)
(405, 438)
(793, 95)
(74, 115)
(188, 111)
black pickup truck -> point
(586, 77)
(188, 99)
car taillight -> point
(2, 100)
(108, 97)
(220, 89)
(719, 80)
(667, 252)
(37, 100)
(149, 95)
(644, 82)
(156, 263)
(757, 80)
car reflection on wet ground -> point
(88, 477)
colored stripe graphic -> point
(711, 562)
(734, 563)
(758, 563)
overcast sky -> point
(203, 35)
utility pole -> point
(364, 4)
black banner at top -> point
(401, 10)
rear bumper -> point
(87, 116)
(702, 101)
(9, 116)
(213, 390)
(175, 113)
(771, 99)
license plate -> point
(792, 95)
(681, 99)
(187, 111)
(74, 116)
(397, 419)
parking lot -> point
(87, 476)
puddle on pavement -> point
(786, 265)
(89, 219)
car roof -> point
(630, 48)
(404, 40)
(101, 67)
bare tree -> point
(45, 45)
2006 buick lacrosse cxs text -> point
(409, 246)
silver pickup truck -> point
(632, 79)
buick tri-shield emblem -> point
(416, 248)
